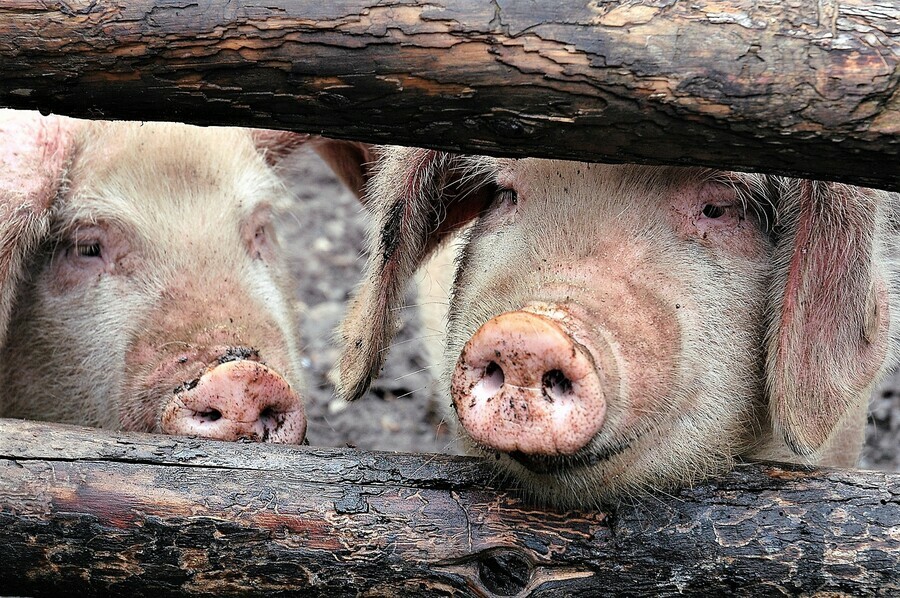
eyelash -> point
(88, 249)
(506, 197)
(714, 211)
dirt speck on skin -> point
(326, 233)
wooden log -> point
(86, 512)
(804, 88)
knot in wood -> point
(504, 572)
(509, 127)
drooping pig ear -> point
(351, 161)
(34, 152)
(417, 197)
(829, 334)
(277, 145)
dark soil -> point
(401, 410)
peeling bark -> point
(804, 88)
(86, 512)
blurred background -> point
(325, 235)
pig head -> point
(141, 282)
(616, 329)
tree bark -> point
(804, 88)
(85, 512)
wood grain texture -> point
(803, 87)
(89, 513)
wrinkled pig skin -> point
(141, 284)
(613, 330)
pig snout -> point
(524, 384)
(234, 400)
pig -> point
(142, 287)
(615, 330)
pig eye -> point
(506, 197)
(262, 243)
(505, 200)
(714, 211)
(259, 235)
(88, 249)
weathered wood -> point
(85, 512)
(806, 88)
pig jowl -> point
(145, 284)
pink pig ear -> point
(277, 145)
(829, 337)
(418, 197)
(34, 151)
(351, 161)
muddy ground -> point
(326, 235)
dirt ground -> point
(326, 233)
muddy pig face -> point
(606, 324)
(155, 299)
(617, 329)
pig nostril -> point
(210, 415)
(556, 385)
(493, 377)
(491, 382)
(268, 415)
(493, 371)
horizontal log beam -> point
(803, 88)
(87, 512)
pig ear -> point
(277, 145)
(829, 335)
(418, 197)
(351, 161)
(34, 151)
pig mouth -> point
(555, 464)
